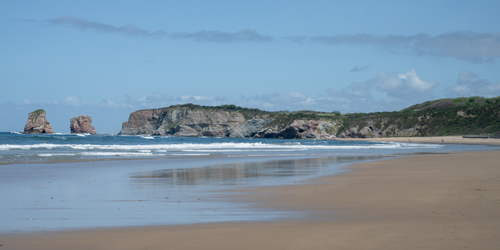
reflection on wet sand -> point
(248, 173)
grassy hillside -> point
(459, 116)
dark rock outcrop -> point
(37, 124)
(82, 124)
(250, 127)
(304, 129)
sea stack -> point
(37, 124)
(82, 124)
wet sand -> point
(437, 201)
(435, 139)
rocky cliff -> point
(303, 129)
(192, 121)
(459, 116)
(82, 124)
(37, 124)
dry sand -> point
(437, 201)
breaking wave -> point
(215, 146)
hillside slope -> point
(459, 116)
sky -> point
(107, 59)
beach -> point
(424, 201)
(434, 139)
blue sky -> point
(107, 59)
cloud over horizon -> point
(462, 45)
(467, 46)
(400, 90)
(215, 36)
(469, 84)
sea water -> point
(72, 181)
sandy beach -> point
(435, 139)
(436, 201)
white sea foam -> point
(83, 135)
(147, 137)
(116, 154)
(217, 146)
(14, 132)
(191, 154)
(50, 155)
(241, 150)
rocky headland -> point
(82, 124)
(195, 121)
(459, 116)
(223, 121)
(37, 124)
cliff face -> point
(142, 122)
(212, 122)
(459, 116)
(37, 124)
(371, 131)
(183, 121)
(191, 123)
(82, 124)
(304, 129)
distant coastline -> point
(443, 117)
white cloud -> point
(188, 98)
(401, 90)
(109, 104)
(469, 84)
(461, 90)
(466, 77)
(74, 101)
(291, 100)
(51, 102)
(403, 85)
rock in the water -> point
(82, 124)
(37, 124)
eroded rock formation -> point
(82, 124)
(474, 115)
(196, 121)
(304, 129)
(190, 123)
(37, 124)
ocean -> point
(74, 181)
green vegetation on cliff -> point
(459, 116)
(35, 114)
(248, 113)
(38, 111)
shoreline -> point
(424, 140)
(421, 201)
(429, 139)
